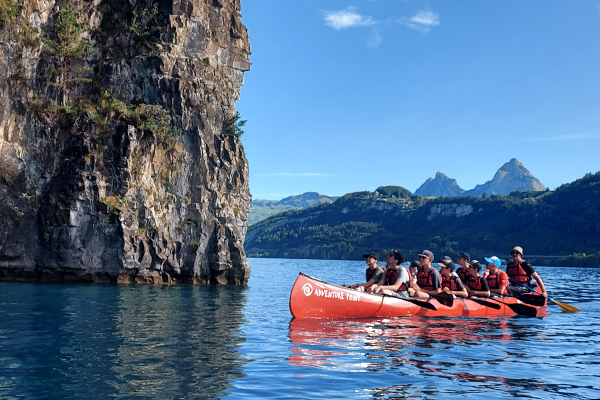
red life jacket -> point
(370, 272)
(475, 283)
(517, 273)
(391, 276)
(448, 282)
(463, 274)
(494, 282)
(425, 280)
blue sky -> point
(345, 96)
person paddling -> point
(451, 282)
(476, 284)
(521, 271)
(429, 280)
(373, 272)
(463, 261)
(396, 280)
(497, 279)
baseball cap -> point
(371, 254)
(428, 254)
(447, 262)
(494, 260)
(464, 255)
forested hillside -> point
(558, 223)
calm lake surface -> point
(70, 341)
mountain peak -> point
(439, 186)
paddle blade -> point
(522, 309)
(566, 307)
(445, 299)
(538, 301)
(423, 304)
(486, 303)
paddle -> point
(485, 303)
(423, 304)
(520, 309)
(443, 298)
(538, 301)
(564, 306)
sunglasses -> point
(422, 257)
(513, 253)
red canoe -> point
(313, 298)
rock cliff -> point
(120, 157)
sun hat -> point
(518, 249)
(494, 260)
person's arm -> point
(374, 288)
(502, 284)
(462, 292)
(540, 283)
(481, 293)
(402, 278)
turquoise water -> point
(60, 341)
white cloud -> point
(422, 22)
(574, 136)
(297, 174)
(348, 18)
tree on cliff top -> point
(69, 51)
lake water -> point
(70, 341)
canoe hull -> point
(313, 298)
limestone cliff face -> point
(121, 162)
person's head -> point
(463, 259)
(414, 266)
(395, 257)
(425, 258)
(446, 266)
(517, 253)
(474, 268)
(492, 263)
(371, 258)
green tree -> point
(69, 51)
(233, 126)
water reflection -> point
(99, 342)
(455, 350)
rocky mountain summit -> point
(120, 157)
(440, 186)
(512, 176)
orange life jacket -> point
(425, 280)
(391, 276)
(475, 283)
(517, 273)
(463, 274)
(448, 282)
(494, 282)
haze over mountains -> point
(512, 176)
(261, 209)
